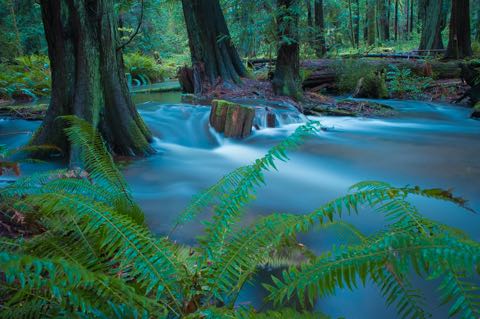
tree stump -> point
(232, 119)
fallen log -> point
(325, 71)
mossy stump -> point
(232, 119)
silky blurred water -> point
(427, 144)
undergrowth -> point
(96, 258)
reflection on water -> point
(429, 145)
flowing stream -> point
(427, 144)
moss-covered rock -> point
(372, 86)
(232, 119)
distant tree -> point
(371, 22)
(460, 43)
(88, 78)
(356, 22)
(321, 47)
(214, 57)
(384, 22)
(396, 22)
(433, 18)
(286, 80)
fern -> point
(464, 295)
(230, 207)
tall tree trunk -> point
(286, 80)
(459, 42)
(384, 26)
(350, 15)
(88, 78)
(214, 58)
(412, 20)
(371, 22)
(433, 18)
(396, 20)
(477, 31)
(15, 28)
(407, 20)
(357, 23)
(320, 28)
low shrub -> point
(405, 84)
(142, 69)
(27, 78)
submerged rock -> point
(232, 119)
(476, 111)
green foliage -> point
(28, 76)
(96, 258)
(404, 83)
(143, 69)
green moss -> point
(221, 104)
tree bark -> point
(350, 16)
(214, 57)
(433, 23)
(357, 23)
(460, 43)
(383, 19)
(396, 20)
(321, 46)
(286, 80)
(88, 78)
(371, 22)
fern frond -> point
(99, 163)
(231, 205)
(211, 195)
(279, 314)
(463, 294)
(69, 286)
(397, 290)
(244, 253)
(345, 265)
(385, 198)
(150, 261)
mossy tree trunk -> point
(286, 80)
(433, 16)
(214, 57)
(88, 80)
(460, 43)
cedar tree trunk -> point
(88, 79)
(433, 22)
(460, 43)
(321, 46)
(214, 58)
(286, 80)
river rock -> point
(476, 111)
(232, 119)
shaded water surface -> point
(429, 145)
